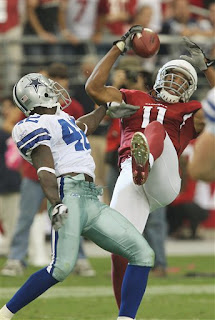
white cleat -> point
(5, 313)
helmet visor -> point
(63, 95)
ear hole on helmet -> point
(46, 95)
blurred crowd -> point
(35, 33)
(64, 40)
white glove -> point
(125, 43)
(197, 58)
(120, 110)
(59, 215)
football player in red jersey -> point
(153, 138)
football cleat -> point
(140, 158)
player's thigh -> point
(114, 233)
(164, 182)
(65, 242)
(129, 199)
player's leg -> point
(65, 245)
(114, 233)
(130, 200)
(118, 268)
(164, 182)
(145, 149)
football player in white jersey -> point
(58, 147)
(202, 164)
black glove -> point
(197, 58)
(124, 44)
(59, 215)
(120, 110)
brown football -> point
(146, 44)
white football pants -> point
(161, 188)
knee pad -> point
(143, 255)
(62, 270)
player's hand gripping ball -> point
(146, 44)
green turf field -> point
(175, 297)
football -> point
(146, 44)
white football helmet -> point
(180, 92)
(35, 90)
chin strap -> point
(166, 96)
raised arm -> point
(198, 59)
(96, 84)
(210, 76)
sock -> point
(119, 265)
(38, 283)
(5, 312)
(155, 135)
(133, 288)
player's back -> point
(68, 143)
(177, 119)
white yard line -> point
(77, 292)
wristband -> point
(51, 170)
(120, 45)
(209, 62)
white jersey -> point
(68, 143)
(209, 111)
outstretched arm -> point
(210, 76)
(198, 59)
(96, 84)
(91, 120)
(114, 110)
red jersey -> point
(176, 118)
(113, 136)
